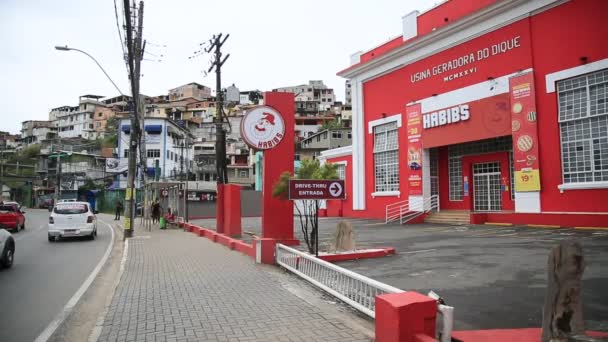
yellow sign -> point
(129, 194)
(527, 181)
(127, 223)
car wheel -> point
(95, 232)
(8, 256)
(51, 238)
(23, 225)
(92, 236)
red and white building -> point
(497, 108)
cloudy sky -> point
(272, 43)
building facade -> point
(34, 131)
(479, 104)
(166, 142)
(311, 98)
(190, 90)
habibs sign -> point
(263, 128)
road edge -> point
(69, 306)
(96, 332)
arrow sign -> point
(313, 189)
(335, 189)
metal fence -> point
(352, 288)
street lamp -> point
(66, 48)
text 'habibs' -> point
(446, 116)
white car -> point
(7, 249)
(69, 219)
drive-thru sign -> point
(313, 189)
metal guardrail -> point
(354, 289)
(404, 211)
(394, 211)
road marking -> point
(50, 329)
(420, 251)
(28, 233)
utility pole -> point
(220, 141)
(134, 56)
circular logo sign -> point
(263, 128)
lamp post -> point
(66, 48)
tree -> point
(89, 184)
(308, 214)
(332, 124)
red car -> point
(11, 217)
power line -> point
(122, 43)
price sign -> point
(527, 180)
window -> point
(126, 153)
(99, 114)
(583, 121)
(97, 124)
(336, 135)
(244, 173)
(386, 158)
(153, 153)
(341, 170)
(434, 170)
(350, 135)
(168, 154)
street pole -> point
(220, 141)
(134, 48)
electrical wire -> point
(122, 46)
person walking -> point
(155, 211)
(119, 208)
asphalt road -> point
(44, 276)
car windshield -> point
(70, 208)
(7, 209)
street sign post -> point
(316, 189)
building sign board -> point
(313, 189)
(463, 65)
(475, 120)
(414, 148)
(525, 133)
(262, 128)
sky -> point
(272, 43)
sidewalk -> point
(179, 287)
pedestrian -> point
(119, 208)
(155, 211)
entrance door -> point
(487, 192)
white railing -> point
(395, 211)
(354, 289)
(405, 211)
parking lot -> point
(494, 276)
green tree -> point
(308, 212)
(331, 124)
(89, 184)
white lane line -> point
(420, 251)
(50, 329)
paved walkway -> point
(179, 287)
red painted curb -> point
(359, 255)
(227, 241)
